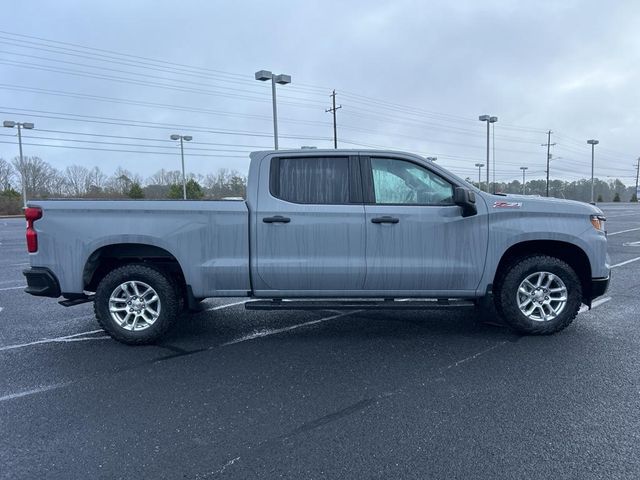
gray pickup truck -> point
(322, 229)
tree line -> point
(604, 191)
(76, 181)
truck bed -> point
(209, 239)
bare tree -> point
(225, 183)
(38, 176)
(77, 178)
(6, 175)
(121, 181)
(165, 177)
(56, 186)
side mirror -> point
(465, 199)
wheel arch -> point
(570, 253)
(107, 257)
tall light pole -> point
(479, 165)
(637, 178)
(185, 138)
(593, 143)
(524, 188)
(282, 79)
(20, 125)
(489, 119)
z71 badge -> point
(507, 204)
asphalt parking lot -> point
(238, 394)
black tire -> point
(506, 292)
(168, 303)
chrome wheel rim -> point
(542, 296)
(134, 305)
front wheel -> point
(136, 304)
(539, 295)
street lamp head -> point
(484, 118)
(8, 124)
(28, 126)
(175, 137)
(493, 119)
(432, 159)
(282, 79)
(264, 75)
(593, 142)
(479, 165)
(187, 138)
(524, 168)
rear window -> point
(320, 180)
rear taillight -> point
(32, 214)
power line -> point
(100, 98)
(144, 124)
(136, 61)
(120, 150)
(100, 142)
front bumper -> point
(41, 282)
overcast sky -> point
(411, 75)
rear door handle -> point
(385, 219)
(276, 219)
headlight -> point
(598, 222)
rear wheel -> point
(136, 304)
(539, 295)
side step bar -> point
(390, 304)
(72, 302)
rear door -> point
(417, 239)
(309, 224)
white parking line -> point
(73, 338)
(625, 263)
(266, 333)
(220, 307)
(595, 304)
(12, 288)
(623, 231)
(50, 340)
(31, 392)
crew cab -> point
(338, 229)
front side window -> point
(320, 180)
(405, 183)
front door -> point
(309, 224)
(417, 239)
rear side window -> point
(320, 180)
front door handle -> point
(385, 219)
(276, 219)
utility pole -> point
(333, 111)
(524, 182)
(637, 177)
(548, 145)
